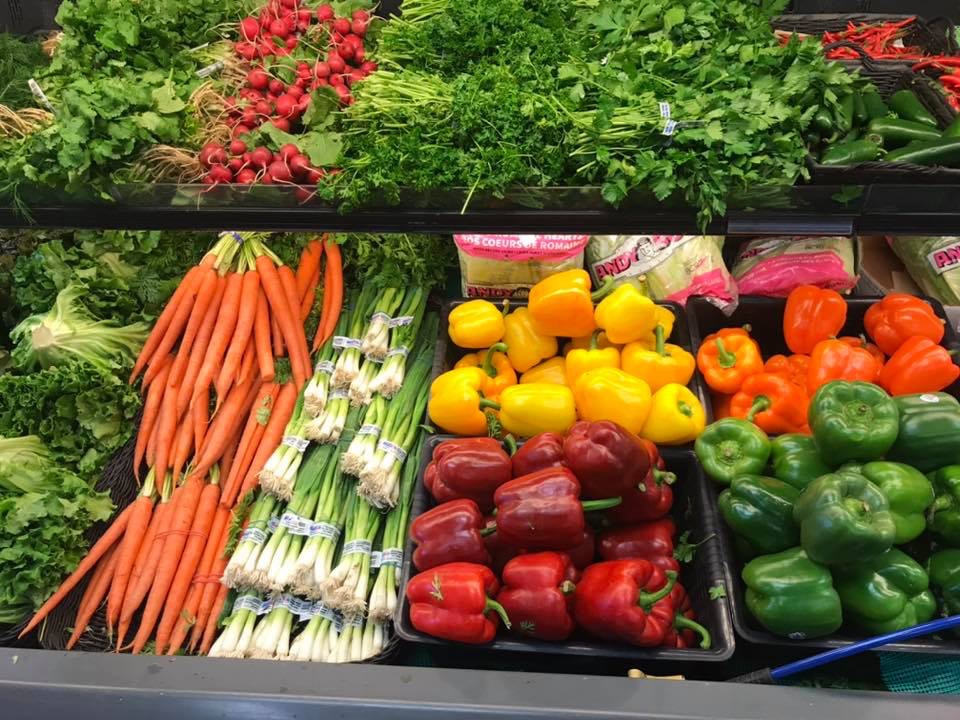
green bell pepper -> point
(843, 519)
(792, 596)
(796, 460)
(929, 428)
(886, 593)
(732, 447)
(944, 517)
(760, 510)
(852, 421)
(909, 493)
(944, 569)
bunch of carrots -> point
(214, 412)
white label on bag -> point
(369, 429)
(401, 321)
(40, 95)
(324, 529)
(669, 127)
(247, 602)
(665, 110)
(324, 367)
(254, 535)
(339, 394)
(273, 523)
(210, 69)
(392, 449)
(392, 556)
(357, 547)
(296, 442)
(381, 316)
(375, 558)
(341, 342)
(402, 350)
(296, 524)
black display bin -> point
(692, 498)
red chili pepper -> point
(453, 602)
(537, 595)
(607, 459)
(950, 80)
(542, 510)
(539, 452)
(467, 468)
(651, 541)
(451, 532)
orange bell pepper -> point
(920, 365)
(837, 360)
(792, 367)
(861, 342)
(898, 317)
(812, 314)
(495, 365)
(726, 358)
(774, 403)
(562, 304)
(721, 405)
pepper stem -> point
(488, 530)
(603, 290)
(682, 622)
(726, 358)
(944, 502)
(511, 442)
(661, 341)
(506, 306)
(595, 339)
(486, 403)
(685, 408)
(606, 503)
(567, 587)
(648, 600)
(488, 367)
(499, 610)
(662, 476)
(760, 404)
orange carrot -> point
(211, 583)
(309, 264)
(187, 566)
(289, 284)
(137, 528)
(306, 305)
(256, 423)
(94, 594)
(166, 434)
(276, 336)
(261, 337)
(333, 285)
(186, 619)
(222, 333)
(246, 364)
(98, 550)
(246, 313)
(200, 420)
(185, 390)
(272, 435)
(211, 625)
(182, 447)
(286, 316)
(176, 538)
(206, 293)
(226, 462)
(225, 425)
(151, 409)
(177, 324)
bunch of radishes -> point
(236, 164)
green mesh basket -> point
(918, 673)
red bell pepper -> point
(607, 459)
(654, 454)
(682, 634)
(538, 453)
(467, 468)
(537, 595)
(500, 552)
(919, 366)
(542, 510)
(583, 553)
(451, 532)
(630, 601)
(650, 500)
(898, 317)
(651, 541)
(453, 602)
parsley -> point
(717, 592)
(685, 550)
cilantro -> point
(717, 592)
(685, 550)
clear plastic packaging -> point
(775, 266)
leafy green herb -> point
(397, 260)
(717, 592)
(20, 60)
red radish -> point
(206, 151)
(246, 50)
(266, 179)
(291, 4)
(304, 73)
(220, 173)
(325, 12)
(342, 91)
(292, 41)
(303, 103)
(341, 25)
(279, 170)
(249, 28)
(302, 194)
(336, 38)
(288, 151)
(272, 98)
(355, 76)
(336, 62)
(358, 55)
(315, 175)
(295, 91)
(217, 156)
(238, 147)
(301, 84)
(360, 15)
(261, 157)
(208, 180)
(246, 176)
(280, 28)
(258, 79)
(266, 49)
(235, 164)
(359, 27)
(277, 87)
(240, 130)
(336, 80)
(286, 106)
(322, 82)
(346, 50)
(263, 108)
(299, 164)
(246, 158)
(282, 51)
(321, 69)
(281, 124)
(304, 16)
(368, 66)
(230, 102)
(251, 94)
(249, 116)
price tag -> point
(342, 342)
(665, 110)
(339, 394)
(40, 95)
(403, 351)
(247, 602)
(369, 429)
(375, 558)
(296, 442)
(392, 556)
(254, 535)
(392, 449)
(381, 317)
(357, 547)
(210, 69)
(401, 321)
(323, 529)
(324, 367)
(669, 127)
(296, 524)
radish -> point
(280, 28)
(304, 16)
(303, 103)
(246, 176)
(249, 28)
(288, 151)
(263, 108)
(359, 27)
(208, 180)
(295, 91)
(325, 12)
(315, 175)
(368, 66)
(235, 164)
(342, 91)
(292, 41)
(217, 156)
(220, 173)
(335, 62)
(286, 106)
(290, 4)
(282, 51)
(281, 124)
(337, 80)
(238, 147)
(240, 130)
(260, 157)
(279, 170)
(341, 25)
(336, 38)
(266, 49)
(322, 82)
(355, 76)
(277, 87)
(361, 15)
(346, 50)
(299, 164)
(266, 179)
(321, 69)
(258, 79)
(302, 194)
(358, 55)
(246, 50)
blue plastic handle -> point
(927, 628)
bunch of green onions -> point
(405, 327)
(263, 518)
(280, 471)
(364, 444)
(376, 337)
(347, 366)
(318, 389)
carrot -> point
(151, 455)
(276, 336)
(145, 566)
(205, 295)
(199, 351)
(187, 618)
(211, 583)
(289, 284)
(246, 364)
(261, 337)
(292, 330)
(182, 447)
(177, 324)
(222, 333)
(200, 420)
(306, 304)
(151, 409)
(176, 538)
(230, 454)
(225, 425)
(189, 560)
(166, 434)
(247, 312)
(137, 528)
(163, 322)
(272, 435)
(98, 550)
(309, 264)
(94, 594)
(211, 625)
(333, 285)
(256, 422)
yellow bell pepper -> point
(580, 361)
(552, 371)
(612, 394)
(525, 346)
(583, 343)
(676, 416)
(561, 304)
(528, 410)
(456, 404)
(496, 367)
(475, 324)
(666, 363)
(664, 317)
(626, 314)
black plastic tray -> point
(692, 498)
(765, 315)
